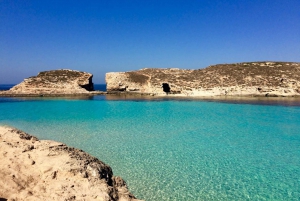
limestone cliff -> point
(55, 82)
(251, 78)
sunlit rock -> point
(239, 79)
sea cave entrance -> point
(89, 86)
(166, 87)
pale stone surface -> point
(55, 82)
(32, 169)
(240, 79)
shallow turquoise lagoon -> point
(176, 150)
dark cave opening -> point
(89, 86)
(166, 87)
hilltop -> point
(248, 78)
(54, 82)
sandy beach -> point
(33, 169)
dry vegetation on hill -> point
(54, 82)
(260, 76)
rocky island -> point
(54, 82)
(239, 79)
(33, 169)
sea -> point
(170, 149)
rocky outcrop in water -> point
(251, 78)
(55, 82)
(33, 169)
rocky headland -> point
(239, 79)
(33, 169)
(54, 82)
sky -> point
(124, 35)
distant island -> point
(54, 83)
(270, 79)
(239, 79)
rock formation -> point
(251, 78)
(55, 82)
(33, 169)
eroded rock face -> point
(33, 169)
(56, 82)
(251, 78)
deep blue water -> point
(100, 87)
(176, 150)
(6, 86)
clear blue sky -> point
(122, 35)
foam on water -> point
(177, 150)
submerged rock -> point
(251, 78)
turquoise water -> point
(176, 150)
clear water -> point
(176, 150)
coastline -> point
(200, 95)
(123, 95)
(257, 100)
(33, 169)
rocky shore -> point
(33, 169)
(271, 79)
(62, 82)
